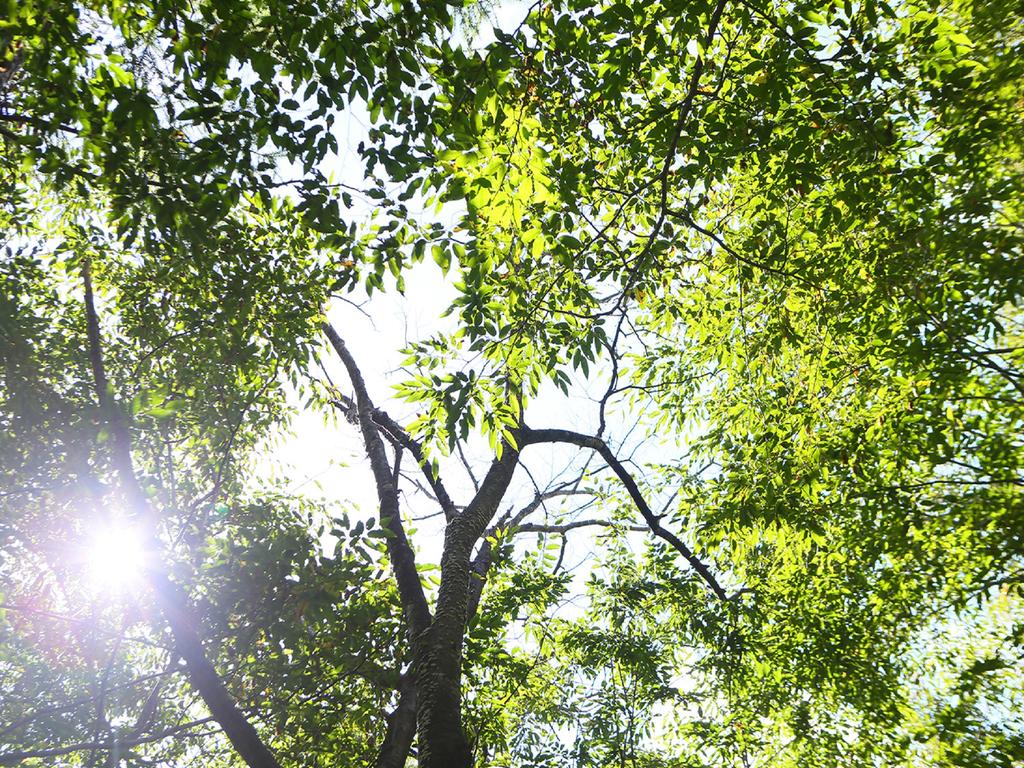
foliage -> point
(775, 249)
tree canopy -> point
(709, 454)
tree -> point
(776, 250)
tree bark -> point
(438, 653)
(403, 559)
(401, 728)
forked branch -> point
(534, 436)
(403, 560)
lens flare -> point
(116, 558)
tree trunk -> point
(442, 741)
(438, 651)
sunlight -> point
(116, 558)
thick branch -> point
(533, 436)
(401, 728)
(403, 560)
(400, 438)
(472, 523)
(240, 732)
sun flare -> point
(116, 558)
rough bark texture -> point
(438, 654)
(171, 598)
